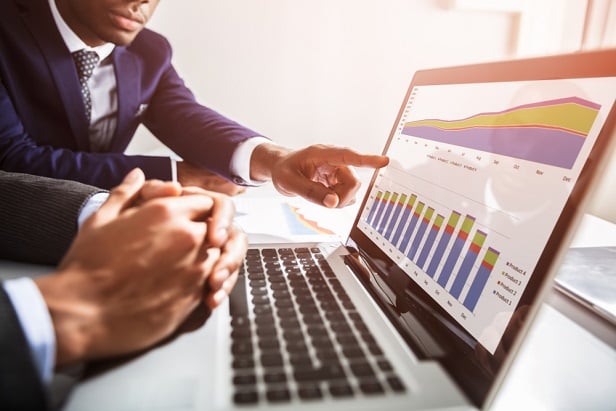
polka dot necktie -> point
(85, 61)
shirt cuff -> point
(91, 206)
(240, 161)
(36, 323)
(174, 170)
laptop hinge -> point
(397, 307)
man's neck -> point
(71, 39)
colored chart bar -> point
(389, 216)
(404, 219)
(409, 231)
(423, 226)
(456, 249)
(443, 242)
(375, 205)
(485, 269)
(379, 212)
(394, 218)
(388, 208)
(436, 227)
(469, 260)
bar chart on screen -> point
(477, 179)
(436, 242)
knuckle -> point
(121, 191)
(160, 209)
(188, 237)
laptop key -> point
(241, 348)
(266, 344)
(278, 395)
(246, 397)
(245, 379)
(340, 390)
(243, 362)
(271, 360)
(326, 372)
(309, 392)
(371, 387)
(385, 365)
(396, 384)
(275, 377)
(362, 369)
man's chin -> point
(121, 38)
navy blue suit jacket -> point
(43, 125)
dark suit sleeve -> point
(20, 385)
(199, 134)
(21, 153)
(38, 216)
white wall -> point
(335, 71)
(332, 71)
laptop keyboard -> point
(296, 335)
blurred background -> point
(336, 71)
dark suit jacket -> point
(38, 216)
(38, 219)
(43, 125)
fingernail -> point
(330, 200)
(133, 175)
(219, 296)
(221, 275)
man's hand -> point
(189, 175)
(231, 241)
(319, 173)
(136, 269)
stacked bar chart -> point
(442, 251)
(477, 180)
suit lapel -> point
(37, 17)
(127, 74)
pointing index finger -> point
(340, 156)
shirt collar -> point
(72, 41)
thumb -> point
(316, 193)
(121, 196)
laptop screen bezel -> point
(477, 376)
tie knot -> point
(85, 61)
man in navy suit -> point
(54, 123)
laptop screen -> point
(464, 223)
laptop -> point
(452, 250)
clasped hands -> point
(139, 266)
(155, 250)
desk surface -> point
(562, 363)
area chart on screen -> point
(548, 132)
